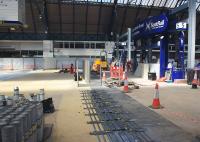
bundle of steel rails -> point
(109, 120)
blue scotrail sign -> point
(151, 26)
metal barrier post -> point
(77, 74)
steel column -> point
(99, 19)
(46, 16)
(60, 15)
(86, 20)
(129, 44)
(181, 50)
(113, 18)
(163, 55)
(33, 16)
(73, 15)
(191, 34)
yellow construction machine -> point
(100, 62)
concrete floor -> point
(181, 103)
(70, 123)
(181, 106)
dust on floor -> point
(181, 103)
(70, 123)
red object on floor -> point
(104, 76)
(195, 81)
(156, 103)
(124, 75)
(116, 72)
(156, 100)
(126, 85)
(72, 69)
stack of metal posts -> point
(110, 122)
(20, 119)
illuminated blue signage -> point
(150, 26)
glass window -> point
(66, 45)
(93, 45)
(72, 45)
(100, 46)
(87, 45)
(79, 45)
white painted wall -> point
(64, 52)
(109, 47)
(22, 45)
(143, 69)
(76, 52)
(61, 59)
(47, 48)
(49, 63)
(12, 10)
(155, 68)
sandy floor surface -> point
(70, 123)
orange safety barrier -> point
(116, 72)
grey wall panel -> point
(49, 63)
(29, 63)
(64, 62)
(1, 64)
(7, 63)
(39, 63)
(18, 63)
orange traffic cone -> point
(104, 76)
(124, 75)
(126, 85)
(195, 81)
(156, 100)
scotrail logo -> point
(155, 25)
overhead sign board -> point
(12, 11)
(181, 26)
(151, 26)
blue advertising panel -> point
(150, 26)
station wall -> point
(22, 45)
(143, 69)
(39, 63)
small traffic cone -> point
(156, 100)
(124, 75)
(195, 81)
(104, 76)
(126, 85)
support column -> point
(87, 71)
(49, 60)
(181, 51)
(191, 34)
(163, 55)
(129, 44)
